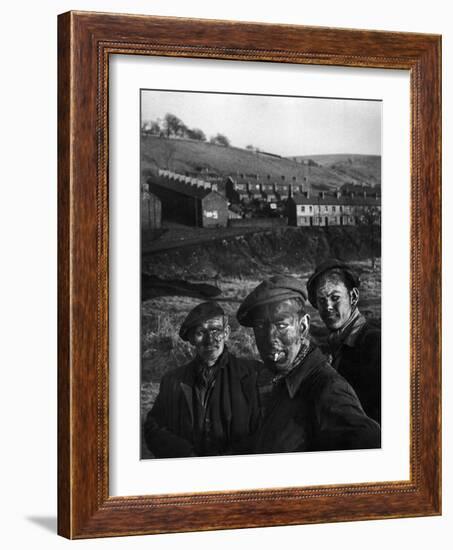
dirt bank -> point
(282, 250)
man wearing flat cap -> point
(209, 406)
(354, 342)
(306, 405)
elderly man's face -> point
(209, 339)
(335, 302)
(278, 329)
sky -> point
(286, 126)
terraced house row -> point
(334, 209)
(202, 203)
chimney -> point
(283, 178)
(338, 194)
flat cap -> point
(275, 289)
(322, 268)
(199, 314)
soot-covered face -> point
(209, 339)
(335, 301)
(279, 328)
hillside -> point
(259, 255)
(181, 155)
(357, 168)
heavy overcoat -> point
(171, 428)
(315, 409)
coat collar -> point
(348, 334)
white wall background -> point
(28, 214)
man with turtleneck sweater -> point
(355, 343)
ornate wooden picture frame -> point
(85, 507)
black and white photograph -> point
(260, 274)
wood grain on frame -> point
(85, 42)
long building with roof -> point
(189, 200)
(324, 209)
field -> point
(181, 155)
(358, 168)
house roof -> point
(157, 185)
(334, 200)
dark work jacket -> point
(232, 412)
(358, 360)
(315, 409)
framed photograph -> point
(249, 275)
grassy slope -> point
(357, 168)
(260, 255)
(186, 155)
